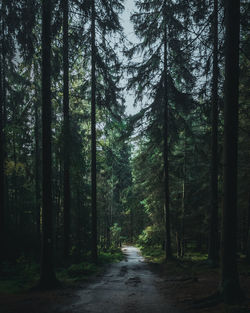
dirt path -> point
(127, 287)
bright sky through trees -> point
(129, 33)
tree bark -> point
(183, 213)
(66, 136)
(37, 160)
(2, 176)
(213, 247)
(93, 134)
(47, 278)
(37, 174)
(248, 232)
(229, 284)
(168, 250)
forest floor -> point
(187, 284)
(130, 286)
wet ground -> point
(127, 287)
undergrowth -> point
(23, 274)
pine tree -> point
(105, 74)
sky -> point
(129, 33)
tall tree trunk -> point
(213, 248)
(2, 176)
(93, 135)
(168, 250)
(248, 232)
(79, 225)
(47, 278)
(66, 129)
(229, 284)
(182, 241)
(37, 172)
(3, 151)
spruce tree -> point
(163, 76)
(103, 22)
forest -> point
(124, 127)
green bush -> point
(152, 235)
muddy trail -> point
(125, 287)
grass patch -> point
(196, 256)
(153, 254)
(110, 257)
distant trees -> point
(105, 74)
(198, 121)
(164, 75)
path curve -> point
(126, 287)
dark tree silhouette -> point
(165, 140)
(213, 249)
(3, 188)
(37, 165)
(66, 133)
(47, 278)
(230, 287)
(2, 178)
(93, 133)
